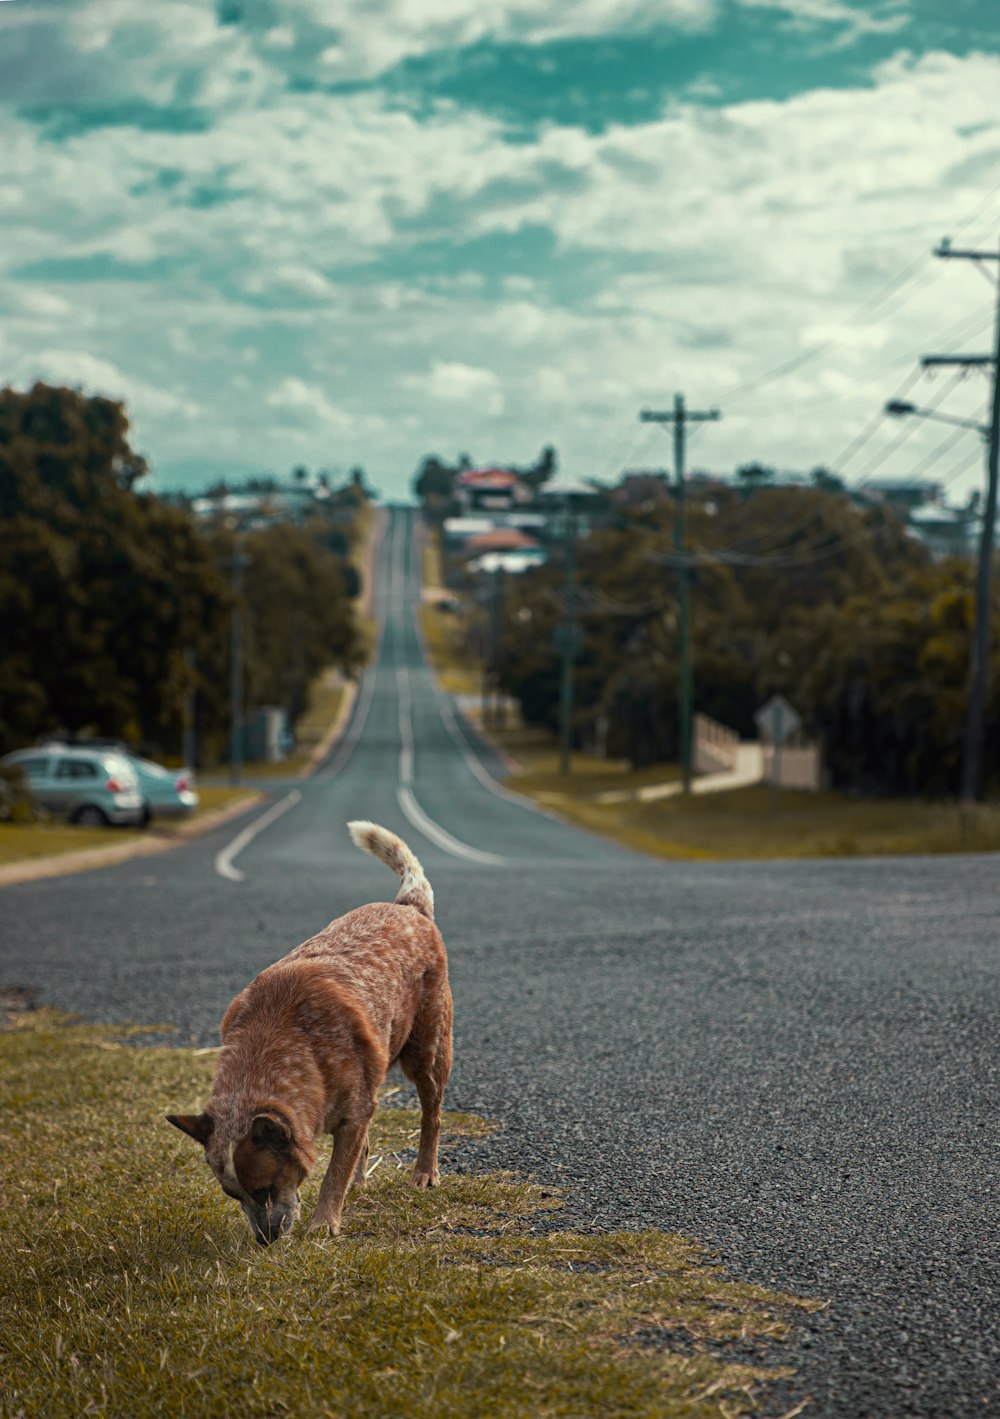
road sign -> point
(777, 720)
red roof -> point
(495, 477)
(504, 539)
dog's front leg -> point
(360, 1178)
(349, 1140)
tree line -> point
(794, 590)
(116, 606)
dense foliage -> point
(795, 590)
(115, 608)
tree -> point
(434, 485)
(774, 577)
(754, 475)
(117, 606)
(828, 482)
(299, 616)
(542, 469)
(102, 587)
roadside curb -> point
(67, 863)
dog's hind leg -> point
(426, 1059)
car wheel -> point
(89, 816)
(146, 818)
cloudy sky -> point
(358, 231)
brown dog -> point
(306, 1046)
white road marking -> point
(224, 859)
(405, 725)
(477, 767)
(444, 840)
(404, 791)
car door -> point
(65, 786)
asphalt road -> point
(794, 1062)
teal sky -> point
(327, 232)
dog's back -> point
(388, 956)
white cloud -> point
(290, 280)
(856, 20)
(101, 376)
(310, 402)
(365, 41)
(692, 252)
(452, 382)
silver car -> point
(89, 786)
(169, 793)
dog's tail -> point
(414, 889)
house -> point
(456, 531)
(490, 490)
(944, 531)
(904, 494)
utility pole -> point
(680, 417)
(568, 635)
(190, 750)
(239, 562)
(972, 760)
(491, 712)
(568, 638)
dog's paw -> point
(319, 1231)
(421, 1179)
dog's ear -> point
(199, 1126)
(271, 1131)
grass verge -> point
(22, 842)
(445, 632)
(745, 823)
(140, 1292)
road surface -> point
(794, 1062)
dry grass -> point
(749, 823)
(140, 1291)
(746, 823)
(537, 757)
(20, 842)
(444, 633)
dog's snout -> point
(268, 1229)
(271, 1222)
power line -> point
(790, 525)
(865, 310)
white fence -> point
(715, 746)
(718, 750)
(796, 767)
